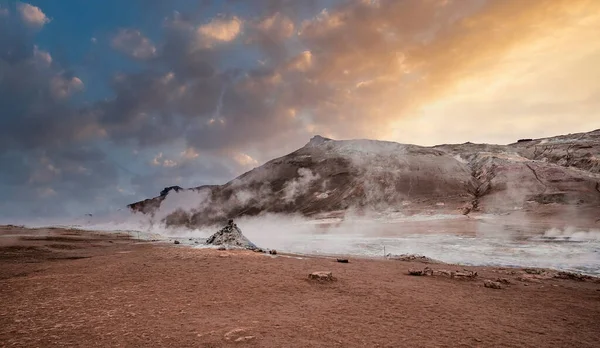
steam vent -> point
(231, 236)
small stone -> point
(492, 284)
(176, 242)
(273, 252)
(415, 272)
(222, 247)
(244, 338)
(342, 260)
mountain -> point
(550, 178)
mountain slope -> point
(545, 177)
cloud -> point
(132, 43)
(245, 160)
(353, 70)
(43, 58)
(218, 30)
(190, 153)
(159, 161)
(242, 87)
(63, 87)
(51, 165)
(32, 15)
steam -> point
(300, 185)
(573, 234)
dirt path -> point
(102, 291)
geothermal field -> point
(340, 243)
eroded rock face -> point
(231, 236)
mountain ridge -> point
(551, 176)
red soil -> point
(93, 290)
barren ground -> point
(79, 289)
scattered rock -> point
(176, 242)
(503, 281)
(572, 276)
(273, 252)
(425, 271)
(237, 335)
(415, 272)
(342, 260)
(492, 284)
(411, 257)
(445, 273)
(466, 274)
(321, 276)
(533, 271)
(528, 279)
(244, 338)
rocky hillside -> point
(558, 176)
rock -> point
(231, 236)
(528, 279)
(411, 257)
(321, 276)
(342, 260)
(415, 272)
(244, 338)
(466, 274)
(573, 276)
(176, 242)
(222, 247)
(492, 284)
(237, 335)
(503, 281)
(425, 271)
(445, 273)
(273, 252)
(166, 190)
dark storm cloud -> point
(43, 156)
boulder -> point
(321, 276)
(492, 284)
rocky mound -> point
(231, 236)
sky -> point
(104, 103)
